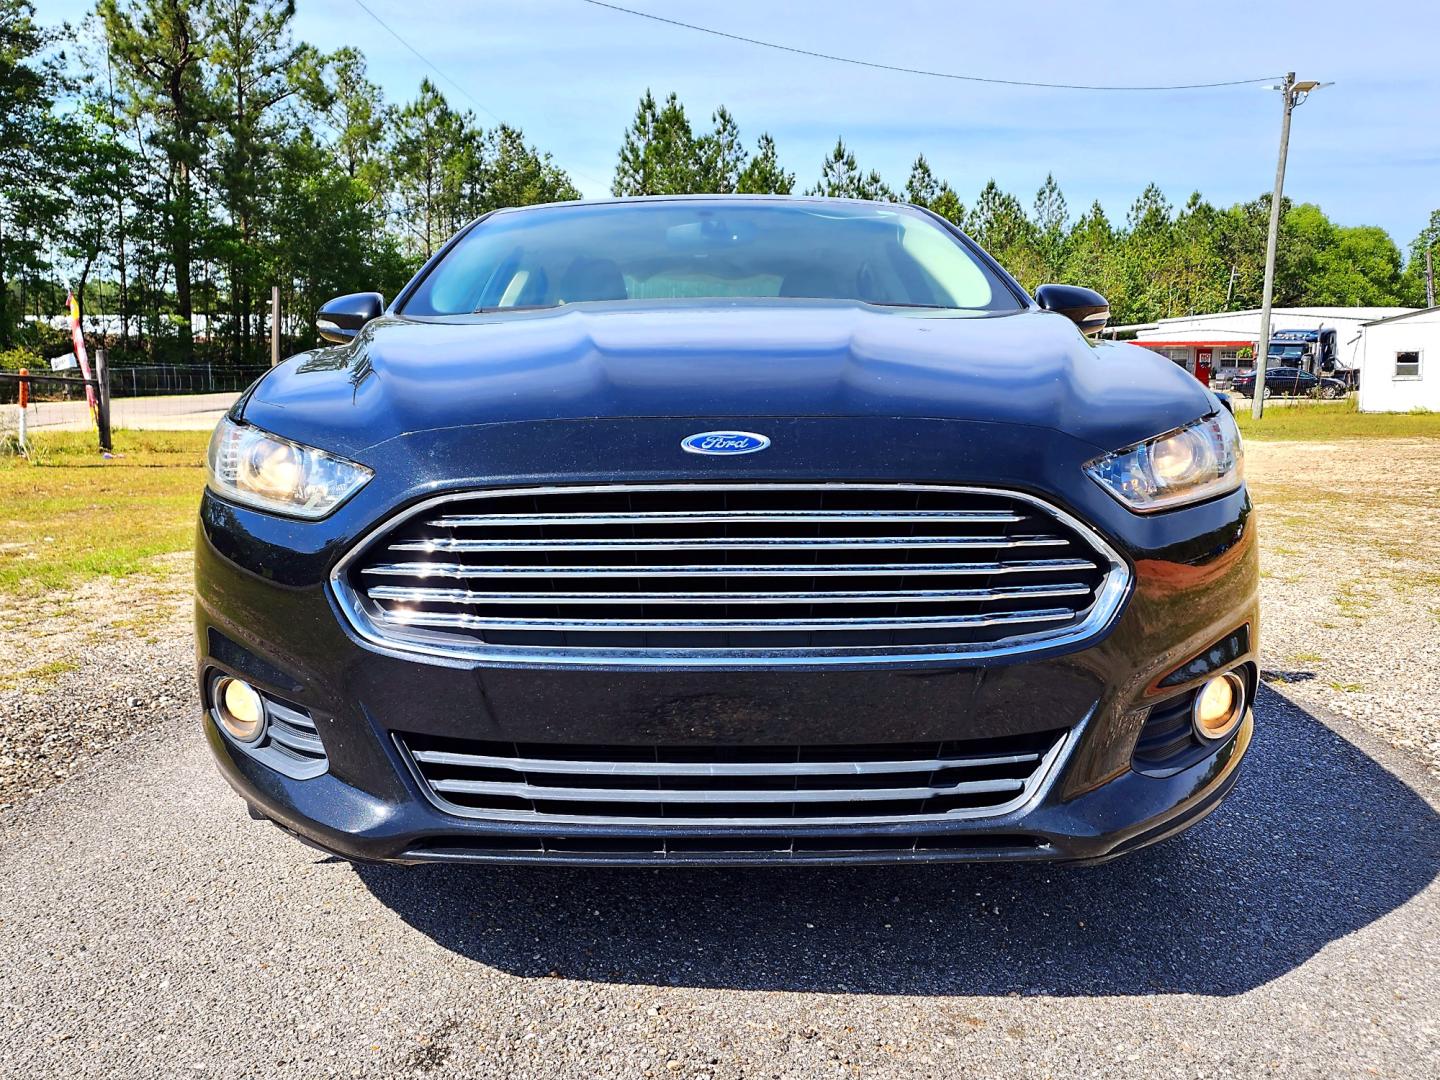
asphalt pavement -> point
(148, 928)
(173, 412)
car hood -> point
(723, 361)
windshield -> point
(1287, 352)
(683, 249)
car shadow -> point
(1317, 841)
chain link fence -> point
(168, 397)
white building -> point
(1225, 342)
(1400, 362)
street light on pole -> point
(1294, 93)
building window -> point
(1407, 365)
(1180, 356)
(1228, 357)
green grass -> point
(40, 676)
(1323, 422)
(67, 514)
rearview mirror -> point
(1086, 308)
(341, 319)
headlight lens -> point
(262, 470)
(1197, 461)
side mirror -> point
(1086, 308)
(341, 319)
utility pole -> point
(1294, 93)
(1429, 277)
(274, 325)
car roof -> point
(622, 200)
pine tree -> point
(427, 137)
(922, 188)
(251, 57)
(1052, 220)
(763, 174)
(160, 47)
(721, 157)
(948, 205)
(660, 154)
(840, 178)
(31, 154)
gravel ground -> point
(84, 674)
(149, 929)
(1350, 581)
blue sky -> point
(569, 74)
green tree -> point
(159, 48)
(720, 156)
(30, 154)
(922, 188)
(1052, 222)
(1143, 254)
(763, 174)
(999, 225)
(89, 228)
(660, 154)
(251, 58)
(841, 178)
(1092, 259)
(1412, 282)
(428, 136)
(517, 174)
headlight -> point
(1197, 461)
(253, 467)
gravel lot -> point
(1350, 581)
(149, 929)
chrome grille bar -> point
(748, 543)
(909, 622)
(708, 795)
(414, 594)
(908, 569)
(583, 767)
(690, 517)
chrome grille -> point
(730, 575)
(795, 786)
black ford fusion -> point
(726, 530)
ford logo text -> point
(724, 442)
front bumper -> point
(1128, 813)
(265, 613)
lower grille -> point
(694, 574)
(797, 786)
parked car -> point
(1289, 382)
(726, 530)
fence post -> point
(102, 393)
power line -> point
(915, 71)
(436, 68)
(428, 62)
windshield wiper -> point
(928, 307)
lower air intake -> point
(795, 786)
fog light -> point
(240, 709)
(1219, 706)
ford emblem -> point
(724, 442)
